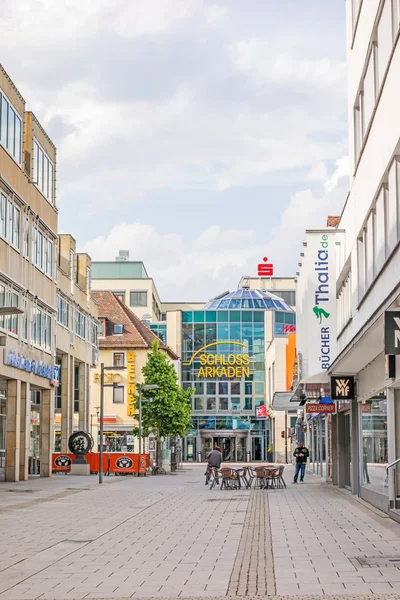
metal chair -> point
(230, 479)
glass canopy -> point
(244, 298)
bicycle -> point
(211, 472)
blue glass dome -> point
(244, 298)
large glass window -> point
(10, 220)
(10, 126)
(138, 298)
(374, 444)
(43, 170)
(62, 311)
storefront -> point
(223, 361)
(373, 439)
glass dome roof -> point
(244, 298)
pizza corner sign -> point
(320, 408)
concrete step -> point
(394, 513)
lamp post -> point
(142, 387)
(102, 386)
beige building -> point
(76, 342)
(28, 240)
(124, 341)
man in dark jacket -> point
(301, 455)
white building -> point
(369, 267)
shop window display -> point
(374, 444)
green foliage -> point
(169, 412)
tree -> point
(168, 414)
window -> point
(138, 298)
(80, 324)
(43, 172)
(10, 125)
(62, 312)
(385, 39)
(392, 214)
(211, 404)
(93, 332)
(8, 298)
(120, 296)
(344, 304)
(118, 329)
(235, 403)
(118, 394)
(361, 267)
(369, 88)
(76, 389)
(9, 221)
(58, 389)
(198, 403)
(358, 127)
(25, 236)
(119, 359)
(41, 329)
(42, 251)
(25, 308)
(379, 231)
(223, 404)
(369, 250)
(35, 397)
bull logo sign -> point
(342, 387)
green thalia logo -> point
(320, 312)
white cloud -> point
(342, 170)
(218, 257)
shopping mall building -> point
(233, 353)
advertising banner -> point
(342, 387)
(392, 332)
(320, 408)
(316, 308)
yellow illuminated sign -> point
(131, 384)
(212, 366)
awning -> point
(283, 401)
(322, 377)
(310, 387)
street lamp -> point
(142, 387)
(102, 386)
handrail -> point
(392, 464)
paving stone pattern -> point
(253, 572)
(171, 537)
(317, 531)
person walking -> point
(214, 460)
(301, 455)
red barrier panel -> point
(62, 462)
(121, 462)
(93, 458)
(127, 462)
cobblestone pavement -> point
(170, 536)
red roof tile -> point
(135, 334)
(333, 221)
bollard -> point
(199, 457)
(248, 456)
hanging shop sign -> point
(221, 366)
(342, 387)
(320, 408)
(261, 412)
(131, 384)
(392, 332)
(37, 367)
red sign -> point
(288, 329)
(265, 269)
(261, 412)
(366, 408)
(320, 408)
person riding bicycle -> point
(214, 460)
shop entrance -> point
(257, 448)
(233, 448)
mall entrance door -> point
(233, 448)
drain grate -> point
(241, 499)
(372, 561)
(78, 541)
(21, 491)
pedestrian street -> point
(171, 536)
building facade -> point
(76, 342)
(369, 267)
(124, 342)
(28, 241)
(223, 351)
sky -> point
(199, 135)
